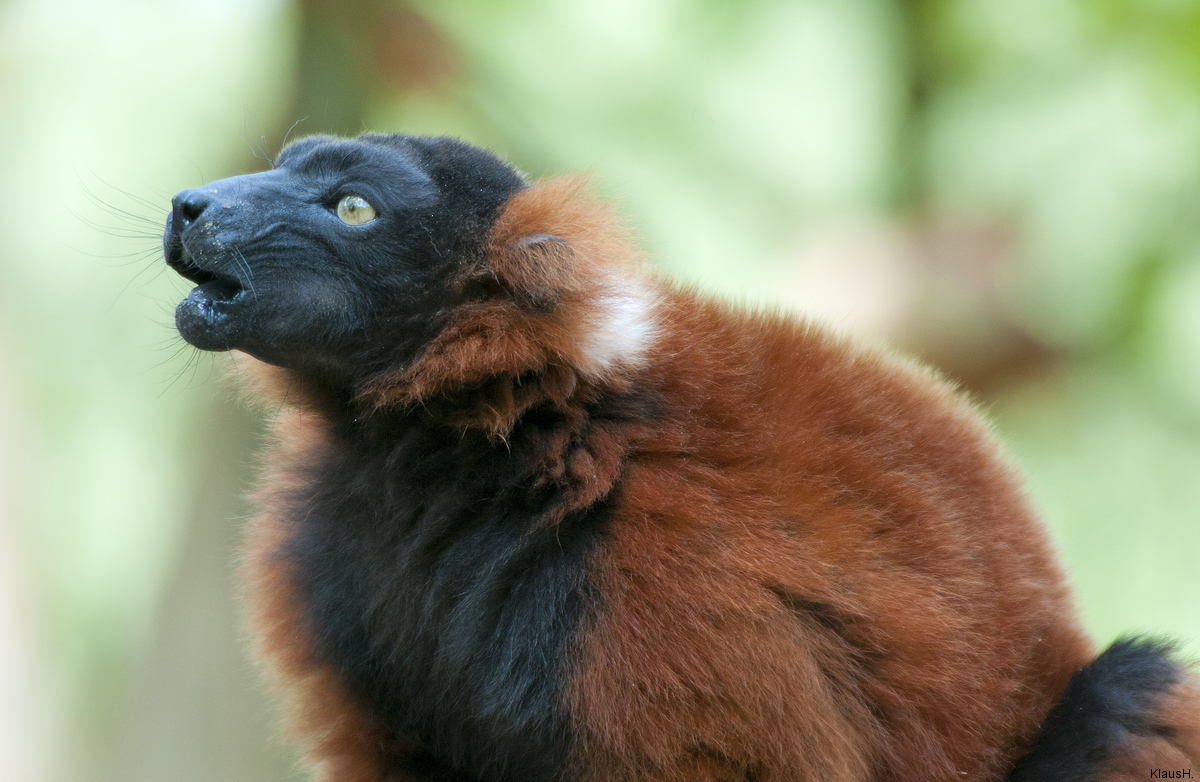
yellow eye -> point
(354, 210)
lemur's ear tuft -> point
(535, 270)
(532, 251)
(536, 239)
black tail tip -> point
(1106, 713)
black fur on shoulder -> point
(1105, 707)
(447, 607)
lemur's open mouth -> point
(209, 317)
(212, 287)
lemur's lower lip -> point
(207, 317)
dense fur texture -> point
(532, 513)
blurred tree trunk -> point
(918, 25)
(335, 64)
(351, 50)
(197, 712)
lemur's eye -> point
(354, 210)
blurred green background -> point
(1010, 190)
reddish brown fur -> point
(819, 568)
(866, 496)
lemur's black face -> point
(339, 259)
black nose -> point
(187, 206)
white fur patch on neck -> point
(620, 328)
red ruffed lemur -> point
(533, 513)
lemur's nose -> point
(187, 206)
